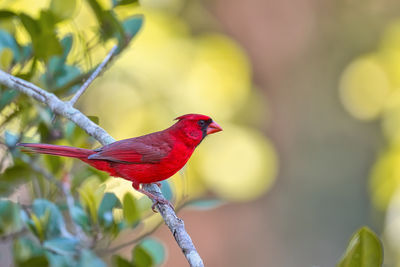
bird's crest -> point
(192, 117)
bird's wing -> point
(144, 149)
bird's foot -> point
(158, 184)
(158, 200)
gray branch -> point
(66, 110)
(57, 106)
(93, 76)
(177, 227)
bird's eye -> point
(202, 123)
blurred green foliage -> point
(71, 219)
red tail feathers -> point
(66, 151)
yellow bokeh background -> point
(168, 71)
(370, 90)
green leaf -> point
(75, 135)
(141, 257)
(57, 260)
(83, 173)
(68, 74)
(26, 53)
(43, 35)
(10, 220)
(166, 190)
(6, 97)
(105, 215)
(130, 209)
(61, 245)
(123, 2)
(69, 131)
(8, 41)
(58, 74)
(102, 176)
(31, 25)
(14, 176)
(53, 164)
(54, 224)
(6, 58)
(132, 25)
(25, 249)
(88, 259)
(45, 114)
(91, 194)
(18, 110)
(66, 43)
(62, 9)
(109, 24)
(44, 132)
(6, 14)
(34, 261)
(148, 253)
(10, 139)
(118, 261)
(364, 250)
(56, 63)
(155, 249)
(80, 217)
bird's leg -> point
(158, 184)
(153, 197)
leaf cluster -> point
(69, 220)
(41, 234)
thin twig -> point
(65, 185)
(48, 176)
(13, 235)
(93, 76)
(127, 243)
(57, 106)
(114, 249)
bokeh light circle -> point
(364, 87)
(239, 164)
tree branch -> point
(93, 76)
(66, 188)
(177, 228)
(13, 235)
(66, 110)
(57, 106)
(50, 178)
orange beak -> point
(213, 128)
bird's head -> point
(197, 126)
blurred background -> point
(308, 95)
(327, 73)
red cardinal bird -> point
(145, 159)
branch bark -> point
(177, 228)
(66, 110)
(57, 106)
